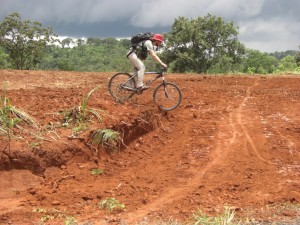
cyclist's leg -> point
(139, 68)
(132, 82)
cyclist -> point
(139, 53)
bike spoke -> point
(121, 86)
(167, 96)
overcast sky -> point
(265, 25)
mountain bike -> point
(167, 96)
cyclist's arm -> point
(157, 59)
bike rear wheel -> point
(121, 86)
(167, 96)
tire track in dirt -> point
(220, 154)
(225, 139)
(275, 129)
(240, 122)
(170, 194)
(289, 167)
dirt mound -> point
(234, 141)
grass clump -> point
(227, 218)
(11, 117)
(79, 116)
(51, 214)
(96, 171)
(106, 139)
(111, 204)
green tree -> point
(94, 41)
(107, 55)
(197, 44)
(66, 42)
(65, 65)
(125, 43)
(4, 59)
(288, 64)
(80, 42)
(298, 58)
(109, 41)
(281, 55)
(225, 65)
(258, 62)
(24, 41)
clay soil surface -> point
(234, 141)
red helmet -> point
(158, 37)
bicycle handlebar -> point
(157, 72)
(164, 69)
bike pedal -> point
(139, 92)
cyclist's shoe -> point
(140, 89)
(144, 87)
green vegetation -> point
(4, 59)
(107, 139)
(196, 45)
(96, 171)
(23, 41)
(51, 214)
(256, 62)
(200, 218)
(111, 204)
(10, 116)
(104, 55)
(227, 218)
(79, 116)
(288, 64)
(202, 45)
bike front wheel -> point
(167, 96)
(121, 86)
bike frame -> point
(167, 95)
(159, 75)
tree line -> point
(203, 45)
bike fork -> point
(165, 88)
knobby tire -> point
(167, 96)
(115, 88)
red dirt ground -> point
(234, 141)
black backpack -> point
(140, 37)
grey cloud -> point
(281, 9)
(267, 25)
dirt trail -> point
(235, 140)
